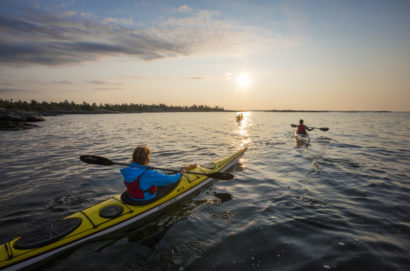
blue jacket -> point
(149, 178)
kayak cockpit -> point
(161, 192)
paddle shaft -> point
(166, 169)
(98, 160)
(322, 129)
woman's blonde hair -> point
(141, 155)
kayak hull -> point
(93, 223)
(301, 139)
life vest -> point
(134, 190)
(301, 129)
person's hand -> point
(188, 167)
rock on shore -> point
(19, 120)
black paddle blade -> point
(96, 160)
(220, 175)
(324, 129)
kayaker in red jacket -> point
(302, 128)
(141, 181)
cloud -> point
(63, 82)
(121, 21)
(11, 90)
(104, 85)
(108, 88)
(227, 76)
(7, 87)
(184, 9)
(97, 82)
(48, 39)
(101, 83)
(70, 13)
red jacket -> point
(301, 129)
(134, 190)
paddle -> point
(325, 129)
(98, 160)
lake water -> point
(341, 203)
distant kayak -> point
(103, 218)
(239, 117)
(302, 139)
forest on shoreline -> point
(67, 107)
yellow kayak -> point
(102, 218)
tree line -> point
(71, 107)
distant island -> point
(20, 115)
(66, 107)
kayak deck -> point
(100, 219)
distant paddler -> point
(302, 128)
(301, 136)
(239, 117)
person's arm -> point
(153, 177)
(309, 129)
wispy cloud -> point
(104, 85)
(7, 87)
(96, 82)
(11, 90)
(63, 82)
(121, 21)
(99, 82)
(227, 76)
(108, 88)
(79, 37)
(184, 9)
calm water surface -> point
(341, 203)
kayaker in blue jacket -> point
(141, 181)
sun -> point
(244, 80)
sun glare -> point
(243, 80)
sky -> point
(239, 55)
